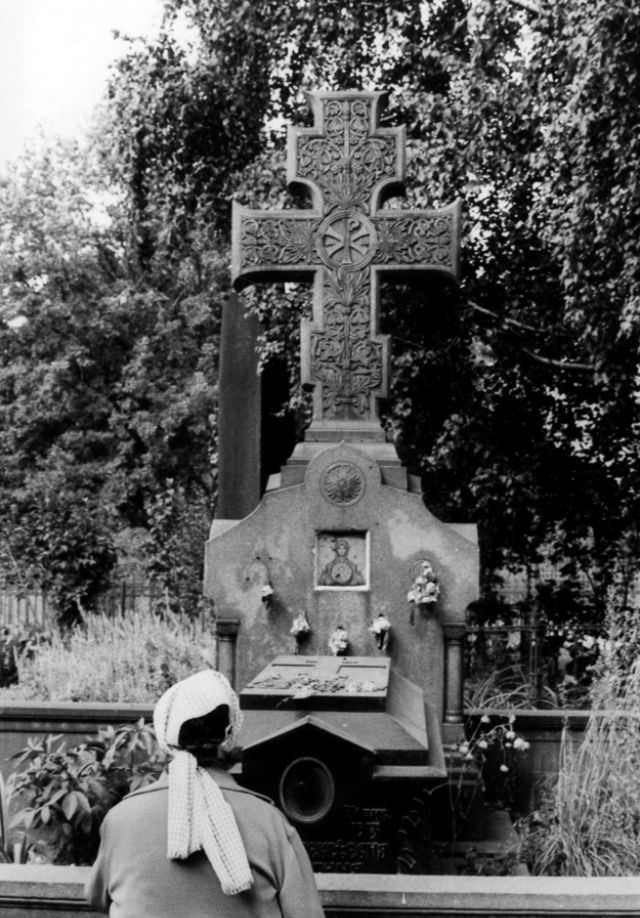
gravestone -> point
(239, 414)
(342, 540)
(344, 746)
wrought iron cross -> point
(351, 165)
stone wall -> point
(76, 721)
(35, 891)
(19, 720)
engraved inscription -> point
(362, 845)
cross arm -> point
(419, 240)
(268, 245)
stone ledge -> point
(490, 896)
(72, 711)
(32, 889)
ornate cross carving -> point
(351, 165)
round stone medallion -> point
(343, 483)
(346, 239)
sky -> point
(54, 58)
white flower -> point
(510, 735)
(300, 625)
(513, 640)
(425, 587)
(464, 748)
(520, 744)
(504, 768)
(339, 641)
(483, 744)
(380, 624)
(485, 719)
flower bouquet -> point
(425, 589)
(380, 628)
(300, 629)
(339, 642)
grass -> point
(588, 824)
(507, 688)
(131, 658)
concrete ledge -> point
(487, 896)
(27, 891)
(72, 712)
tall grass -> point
(133, 657)
(589, 824)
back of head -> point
(200, 715)
(203, 736)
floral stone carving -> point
(350, 164)
(343, 483)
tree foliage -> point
(515, 396)
(106, 383)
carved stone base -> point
(392, 471)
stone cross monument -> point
(342, 544)
(350, 165)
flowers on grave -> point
(425, 589)
(339, 642)
(380, 628)
(489, 757)
(300, 629)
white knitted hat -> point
(199, 816)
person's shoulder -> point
(156, 787)
(236, 788)
(255, 806)
(142, 798)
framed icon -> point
(342, 560)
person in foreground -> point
(195, 843)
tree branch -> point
(506, 321)
(560, 364)
(547, 361)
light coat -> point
(132, 876)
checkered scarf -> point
(199, 816)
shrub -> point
(66, 792)
(133, 657)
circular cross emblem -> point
(346, 239)
(343, 483)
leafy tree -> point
(106, 384)
(529, 113)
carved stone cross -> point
(351, 165)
